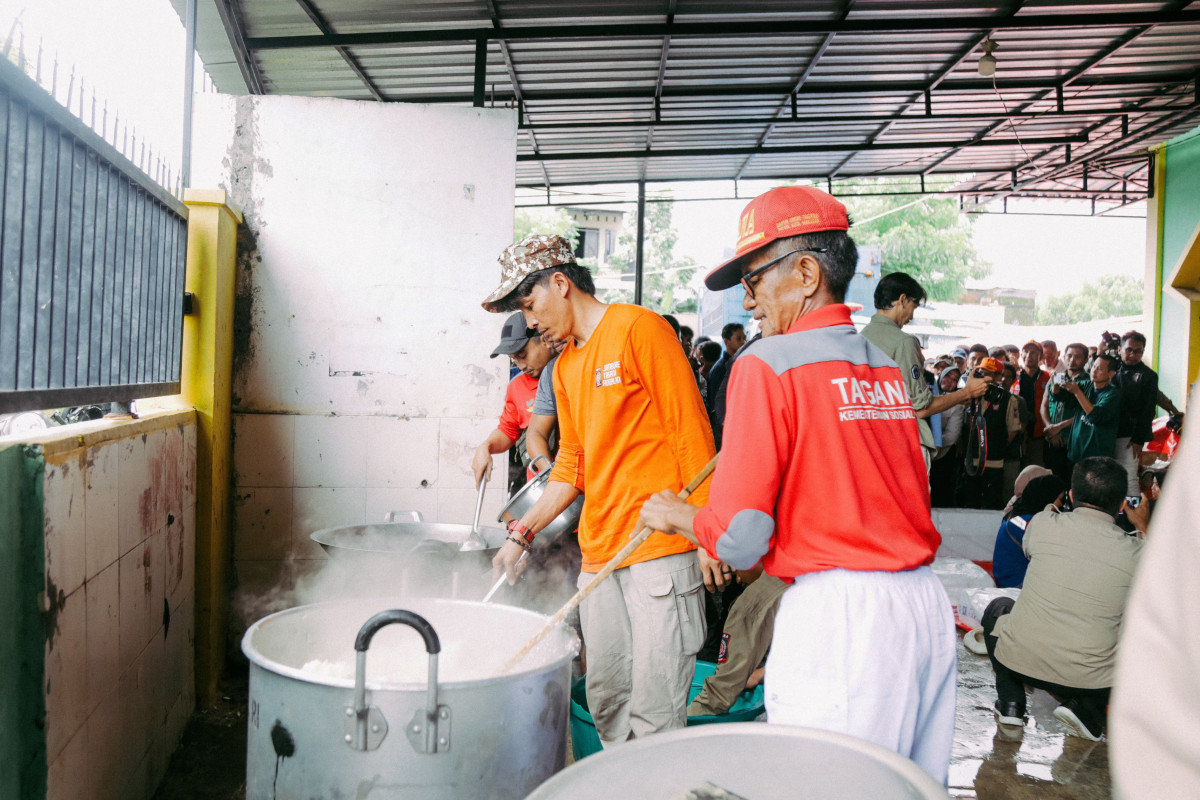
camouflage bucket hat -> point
(522, 259)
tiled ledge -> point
(69, 438)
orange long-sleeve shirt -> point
(631, 423)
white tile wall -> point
(134, 495)
(120, 522)
(103, 632)
(66, 673)
(264, 446)
(331, 451)
(63, 517)
(401, 453)
(262, 520)
(100, 528)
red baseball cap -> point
(778, 214)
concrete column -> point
(206, 384)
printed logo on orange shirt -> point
(609, 374)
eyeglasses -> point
(746, 278)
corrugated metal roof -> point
(625, 90)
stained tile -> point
(65, 680)
(189, 464)
(180, 538)
(135, 499)
(64, 519)
(458, 504)
(164, 455)
(401, 453)
(262, 523)
(331, 451)
(103, 635)
(263, 448)
(100, 513)
(457, 439)
(134, 715)
(314, 509)
(134, 614)
(154, 563)
(68, 777)
(106, 771)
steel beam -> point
(592, 155)
(322, 24)
(480, 93)
(639, 268)
(773, 91)
(790, 103)
(730, 28)
(231, 19)
(511, 68)
(819, 119)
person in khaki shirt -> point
(1062, 632)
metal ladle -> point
(474, 540)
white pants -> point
(643, 627)
(1126, 458)
(871, 654)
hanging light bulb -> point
(987, 61)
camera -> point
(993, 393)
(1110, 343)
(1061, 378)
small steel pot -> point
(530, 493)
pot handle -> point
(398, 615)
(429, 730)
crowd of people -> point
(1055, 409)
(812, 414)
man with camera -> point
(1061, 634)
(992, 423)
(1139, 398)
(1059, 408)
(896, 299)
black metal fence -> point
(92, 255)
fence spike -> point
(71, 87)
(37, 73)
(104, 123)
(93, 124)
(54, 78)
(82, 92)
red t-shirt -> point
(821, 466)
(518, 405)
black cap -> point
(513, 335)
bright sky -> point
(131, 51)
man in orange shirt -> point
(631, 422)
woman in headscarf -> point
(1008, 559)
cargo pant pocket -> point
(686, 585)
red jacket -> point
(821, 466)
(1040, 385)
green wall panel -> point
(22, 571)
(1181, 214)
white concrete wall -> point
(362, 379)
(120, 564)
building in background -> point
(599, 230)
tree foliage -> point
(1104, 298)
(544, 221)
(925, 237)
(665, 275)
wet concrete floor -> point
(989, 763)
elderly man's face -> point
(1049, 355)
(779, 293)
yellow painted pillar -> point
(1153, 285)
(207, 378)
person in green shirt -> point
(1094, 426)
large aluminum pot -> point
(530, 493)
(321, 734)
(422, 559)
(747, 759)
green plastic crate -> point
(585, 741)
